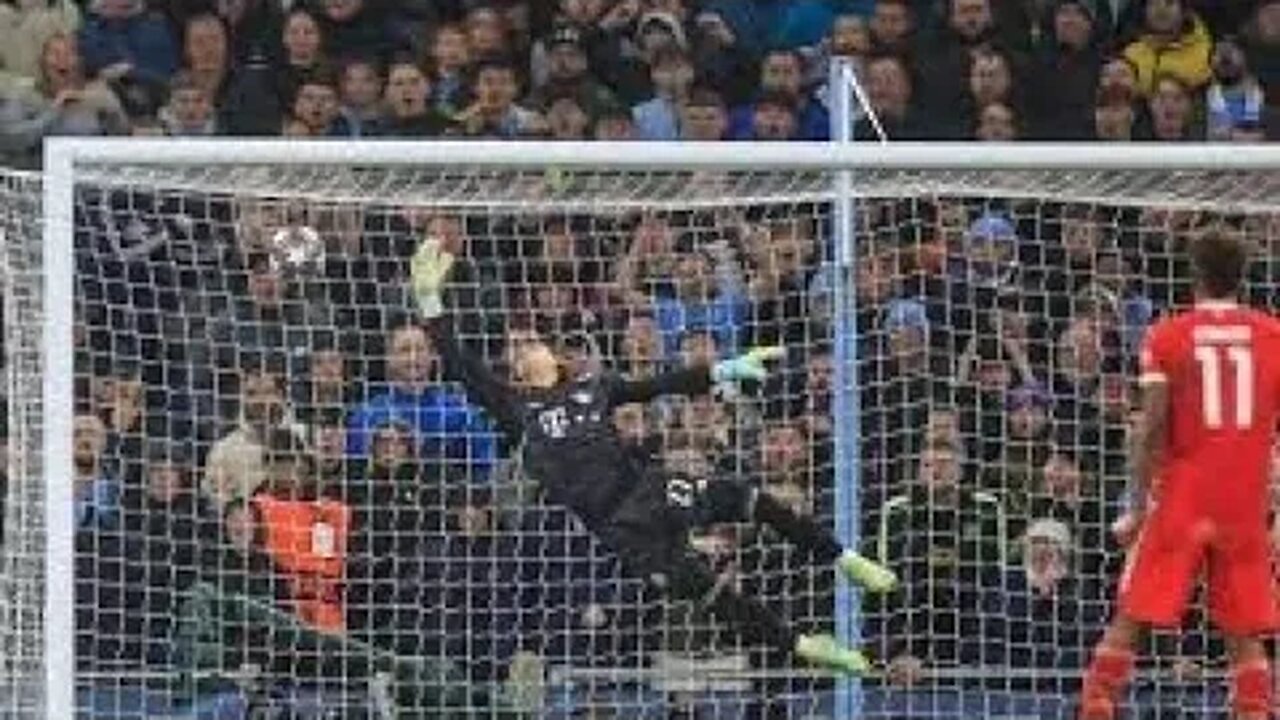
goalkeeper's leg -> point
(725, 500)
(683, 575)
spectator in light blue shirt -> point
(1235, 101)
(451, 431)
(701, 298)
(659, 117)
(97, 493)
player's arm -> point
(1148, 433)
(1148, 442)
(430, 269)
(699, 380)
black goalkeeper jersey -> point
(570, 445)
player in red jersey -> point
(1201, 455)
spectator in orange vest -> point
(305, 535)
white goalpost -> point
(957, 316)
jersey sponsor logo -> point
(582, 397)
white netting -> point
(21, 487)
(208, 319)
(997, 318)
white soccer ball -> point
(297, 248)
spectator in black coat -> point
(893, 28)
(359, 28)
(891, 92)
(968, 26)
(166, 522)
(408, 112)
(1069, 61)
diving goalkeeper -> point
(573, 451)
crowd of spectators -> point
(1169, 70)
(230, 401)
(233, 408)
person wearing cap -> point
(567, 72)
(657, 30)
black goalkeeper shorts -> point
(650, 530)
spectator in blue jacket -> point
(804, 23)
(97, 493)
(782, 75)
(450, 430)
(702, 298)
(121, 40)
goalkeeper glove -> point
(750, 366)
(428, 270)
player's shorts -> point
(1175, 546)
(650, 531)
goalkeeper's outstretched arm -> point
(697, 381)
(430, 270)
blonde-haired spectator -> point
(25, 26)
(61, 102)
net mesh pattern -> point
(22, 513)
(233, 319)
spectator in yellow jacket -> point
(1173, 42)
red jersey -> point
(308, 539)
(1221, 363)
(1222, 366)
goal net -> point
(279, 507)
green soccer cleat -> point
(870, 576)
(824, 651)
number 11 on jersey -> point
(1213, 360)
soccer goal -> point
(237, 485)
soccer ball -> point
(297, 248)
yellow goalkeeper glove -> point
(429, 269)
(750, 366)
